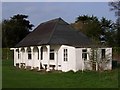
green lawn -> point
(19, 78)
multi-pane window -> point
(51, 54)
(29, 55)
(84, 54)
(103, 53)
(65, 55)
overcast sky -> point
(39, 12)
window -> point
(29, 55)
(84, 54)
(103, 53)
(65, 55)
(52, 54)
(41, 50)
(18, 53)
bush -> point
(118, 65)
(116, 50)
(114, 64)
(6, 53)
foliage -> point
(7, 54)
(108, 31)
(102, 30)
(20, 78)
(115, 6)
(14, 30)
(0, 34)
(86, 18)
(87, 24)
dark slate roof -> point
(55, 32)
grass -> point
(20, 78)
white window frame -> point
(65, 55)
(85, 54)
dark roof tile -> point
(55, 31)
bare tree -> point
(95, 60)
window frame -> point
(65, 55)
(29, 55)
(52, 54)
(103, 55)
(84, 54)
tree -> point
(100, 31)
(15, 29)
(89, 25)
(0, 34)
(96, 62)
(108, 31)
(115, 6)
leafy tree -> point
(108, 31)
(0, 34)
(89, 25)
(83, 18)
(15, 29)
(100, 31)
(115, 6)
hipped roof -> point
(55, 32)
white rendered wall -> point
(79, 61)
(87, 63)
(23, 57)
(71, 63)
(74, 62)
(109, 55)
(44, 60)
(29, 63)
(57, 57)
(36, 60)
(60, 58)
(15, 57)
(56, 53)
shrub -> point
(6, 53)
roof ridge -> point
(53, 31)
(47, 21)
